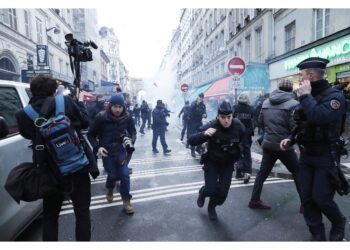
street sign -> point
(184, 87)
(236, 66)
(236, 82)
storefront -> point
(336, 48)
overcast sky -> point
(143, 33)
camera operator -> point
(116, 133)
(159, 115)
(225, 137)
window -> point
(259, 45)
(7, 65)
(67, 69)
(13, 18)
(51, 61)
(321, 23)
(10, 103)
(247, 48)
(290, 36)
(239, 49)
(27, 23)
(39, 31)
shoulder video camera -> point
(79, 50)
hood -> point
(279, 96)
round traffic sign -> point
(236, 66)
(184, 87)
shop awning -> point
(199, 90)
(220, 87)
(87, 96)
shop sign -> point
(332, 50)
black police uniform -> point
(145, 111)
(197, 111)
(159, 126)
(224, 148)
(319, 126)
(185, 112)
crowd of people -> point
(311, 117)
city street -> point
(165, 190)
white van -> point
(14, 149)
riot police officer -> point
(197, 113)
(224, 136)
(319, 127)
(159, 115)
(185, 112)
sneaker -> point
(258, 205)
(337, 231)
(109, 194)
(212, 212)
(155, 151)
(246, 178)
(201, 198)
(128, 207)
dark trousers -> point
(137, 120)
(81, 197)
(244, 165)
(269, 158)
(144, 119)
(159, 133)
(217, 181)
(317, 193)
(185, 124)
(117, 171)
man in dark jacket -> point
(137, 111)
(185, 112)
(197, 113)
(277, 120)
(245, 113)
(77, 183)
(224, 136)
(159, 115)
(144, 109)
(116, 133)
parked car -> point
(14, 149)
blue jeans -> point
(116, 171)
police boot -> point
(211, 210)
(201, 197)
(109, 194)
(319, 235)
(337, 231)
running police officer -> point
(224, 135)
(185, 111)
(319, 122)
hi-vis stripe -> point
(148, 194)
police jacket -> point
(75, 111)
(185, 112)
(110, 131)
(137, 111)
(321, 114)
(277, 118)
(159, 118)
(197, 110)
(244, 113)
(225, 145)
(144, 110)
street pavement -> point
(165, 189)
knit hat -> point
(243, 98)
(201, 95)
(225, 108)
(117, 99)
(286, 85)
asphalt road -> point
(165, 190)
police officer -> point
(197, 113)
(159, 126)
(319, 118)
(144, 115)
(245, 113)
(185, 112)
(224, 136)
(137, 111)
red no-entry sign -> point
(236, 66)
(184, 87)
